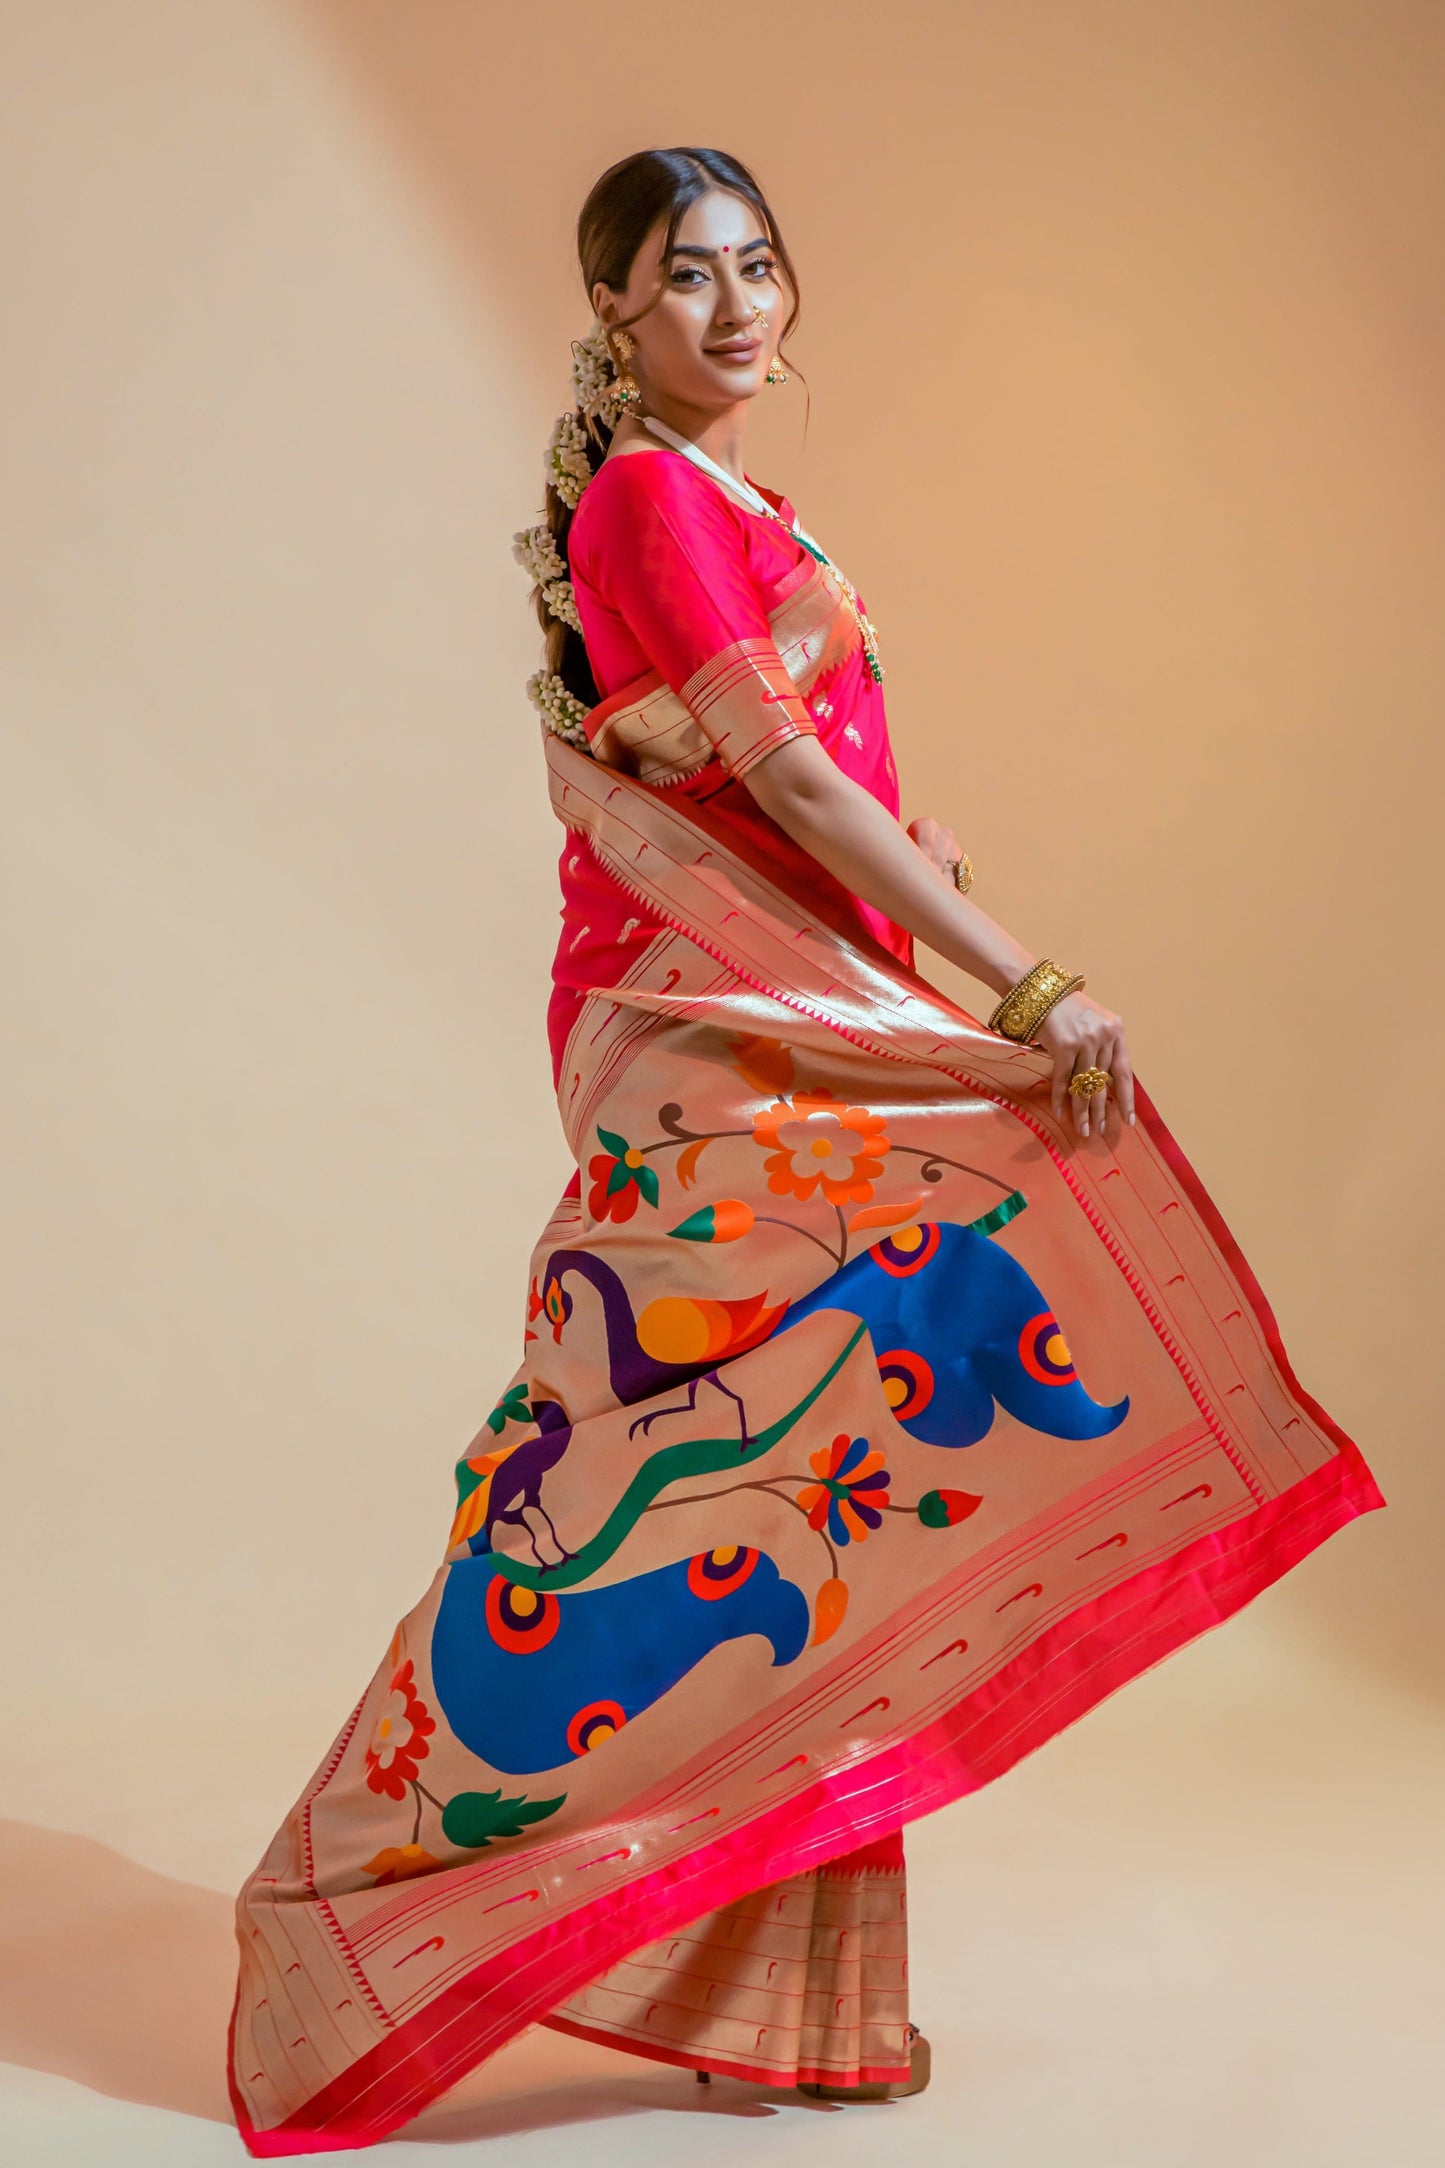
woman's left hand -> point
(1083, 1034)
(938, 844)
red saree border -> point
(1057, 1679)
(1172, 1153)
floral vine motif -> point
(845, 1499)
(727, 1220)
(620, 1175)
(819, 1148)
(816, 1141)
(470, 1820)
(399, 1737)
(851, 1495)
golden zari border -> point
(739, 705)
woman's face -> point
(702, 346)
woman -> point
(891, 1389)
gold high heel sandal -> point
(920, 2070)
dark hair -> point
(621, 210)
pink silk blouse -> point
(683, 591)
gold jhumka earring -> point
(777, 374)
(626, 392)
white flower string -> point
(594, 376)
(568, 470)
(536, 551)
(561, 711)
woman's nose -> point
(733, 305)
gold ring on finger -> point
(1085, 1082)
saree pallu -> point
(870, 1428)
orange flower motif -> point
(815, 1140)
(398, 1737)
(398, 1861)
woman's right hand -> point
(1082, 1034)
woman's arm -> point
(845, 828)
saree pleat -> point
(803, 1979)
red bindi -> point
(726, 246)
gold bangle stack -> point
(1026, 1004)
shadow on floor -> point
(121, 1980)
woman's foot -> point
(920, 2059)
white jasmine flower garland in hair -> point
(536, 552)
(562, 603)
(568, 468)
(594, 376)
(560, 710)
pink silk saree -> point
(869, 1428)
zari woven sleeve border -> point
(669, 553)
(747, 704)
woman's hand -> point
(938, 844)
(1081, 1034)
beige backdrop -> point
(1123, 321)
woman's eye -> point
(687, 274)
(763, 264)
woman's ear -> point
(604, 304)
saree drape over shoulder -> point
(868, 1429)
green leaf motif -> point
(619, 1178)
(612, 1143)
(473, 1819)
(467, 1480)
(646, 1180)
(513, 1407)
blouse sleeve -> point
(666, 549)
